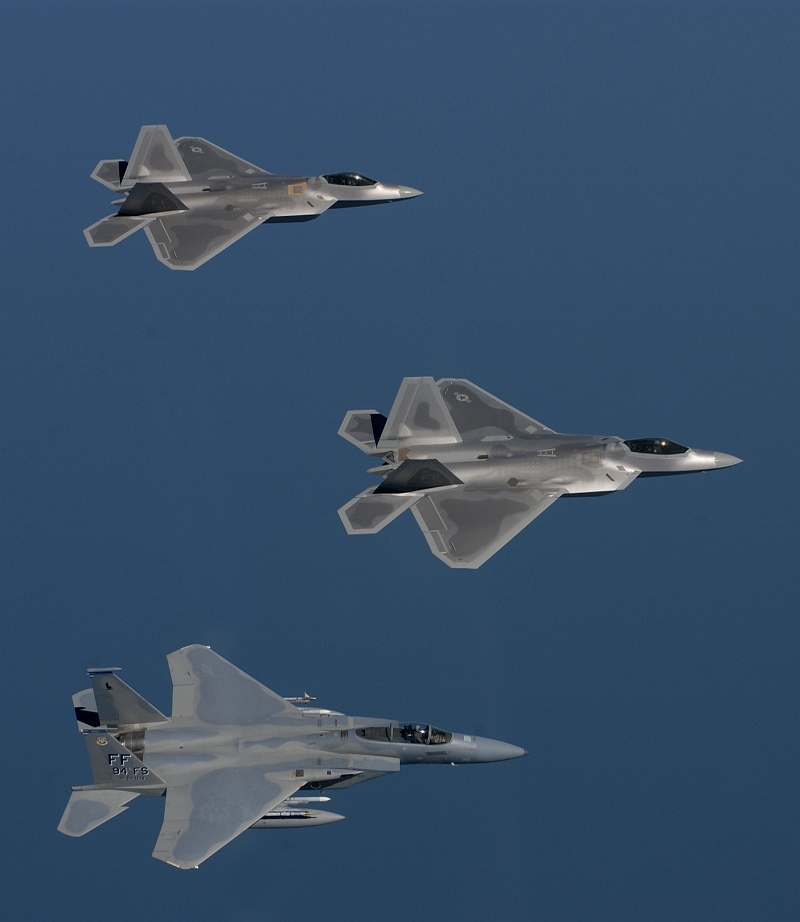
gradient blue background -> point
(608, 240)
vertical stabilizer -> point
(155, 158)
(118, 704)
(114, 766)
(418, 416)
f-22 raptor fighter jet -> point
(193, 198)
(233, 753)
(474, 471)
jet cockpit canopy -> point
(424, 734)
(349, 179)
(655, 447)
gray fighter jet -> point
(233, 753)
(193, 198)
(474, 471)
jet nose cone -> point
(408, 192)
(495, 751)
(723, 460)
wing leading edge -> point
(186, 241)
(203, 816)
(464, 528)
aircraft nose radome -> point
(723, 460)
(408, 192)
(495, 751)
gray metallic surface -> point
(510, 467)
(223, 197)
(232, 754)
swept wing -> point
(201, 817)
(213, 691)
(464, 527)
(217, 802)
(187, 240)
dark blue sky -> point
(608, 240)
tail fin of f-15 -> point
(119, 777)
(118, 704)
(114, 766)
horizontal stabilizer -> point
(419, 415)
(363, 428)
(110, 173)
(414, 476)
(115, 766)
(368, 513)
(155, 158)
(118, 704)
(86, 810)
(109, 231)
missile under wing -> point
(232, 755)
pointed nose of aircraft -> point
(495, 751)
(408, 192)
(723, 460)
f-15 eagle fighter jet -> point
(474, 471)
(233, 755)
(193, 198)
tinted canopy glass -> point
(655, 447)
(349, 179)
(408, 733)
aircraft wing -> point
(202, 816)
(464, 527)
(477, 414)
(206, 161)
(187, 240)
(212, 691)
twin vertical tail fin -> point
(119, 777)
(118, 705)
(109, 715)
(419, 416)
(155, 160)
